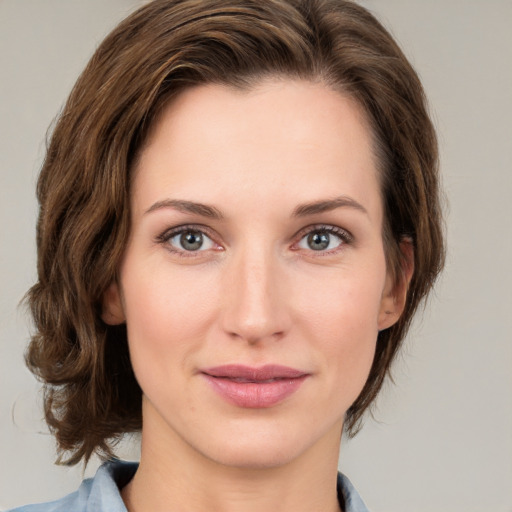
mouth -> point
(254, 388)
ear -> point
(395, 290)
(112, 311)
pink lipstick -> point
(254, 387)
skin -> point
(255, 293)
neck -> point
(172, 476)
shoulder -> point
(348, 496)
(101, 493)
(69, 503)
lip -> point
(254, 388)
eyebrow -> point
(203, 210)
(303, 210)
(327, 206)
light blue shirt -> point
(101, 493)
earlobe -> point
(112, 311)
(395, 291)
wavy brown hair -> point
(91, 394)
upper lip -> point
(254, 374)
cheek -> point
(342, 318)
(167, 315)
(342, 306)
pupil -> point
(191, 240)
(318, 241)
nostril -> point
(254, 338)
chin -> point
(255, 456)
(267, 448)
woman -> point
(239, 217)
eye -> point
(186, 239)
(324, 239)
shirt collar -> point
(102, 492)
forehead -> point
(293, 139)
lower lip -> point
(255, 395)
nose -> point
(255, 304)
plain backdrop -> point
(442, 435)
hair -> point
(91, 396)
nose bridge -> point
(255, 308)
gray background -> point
(442, 438)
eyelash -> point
(345, 238)
(166, 236)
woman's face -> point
(254, 281)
